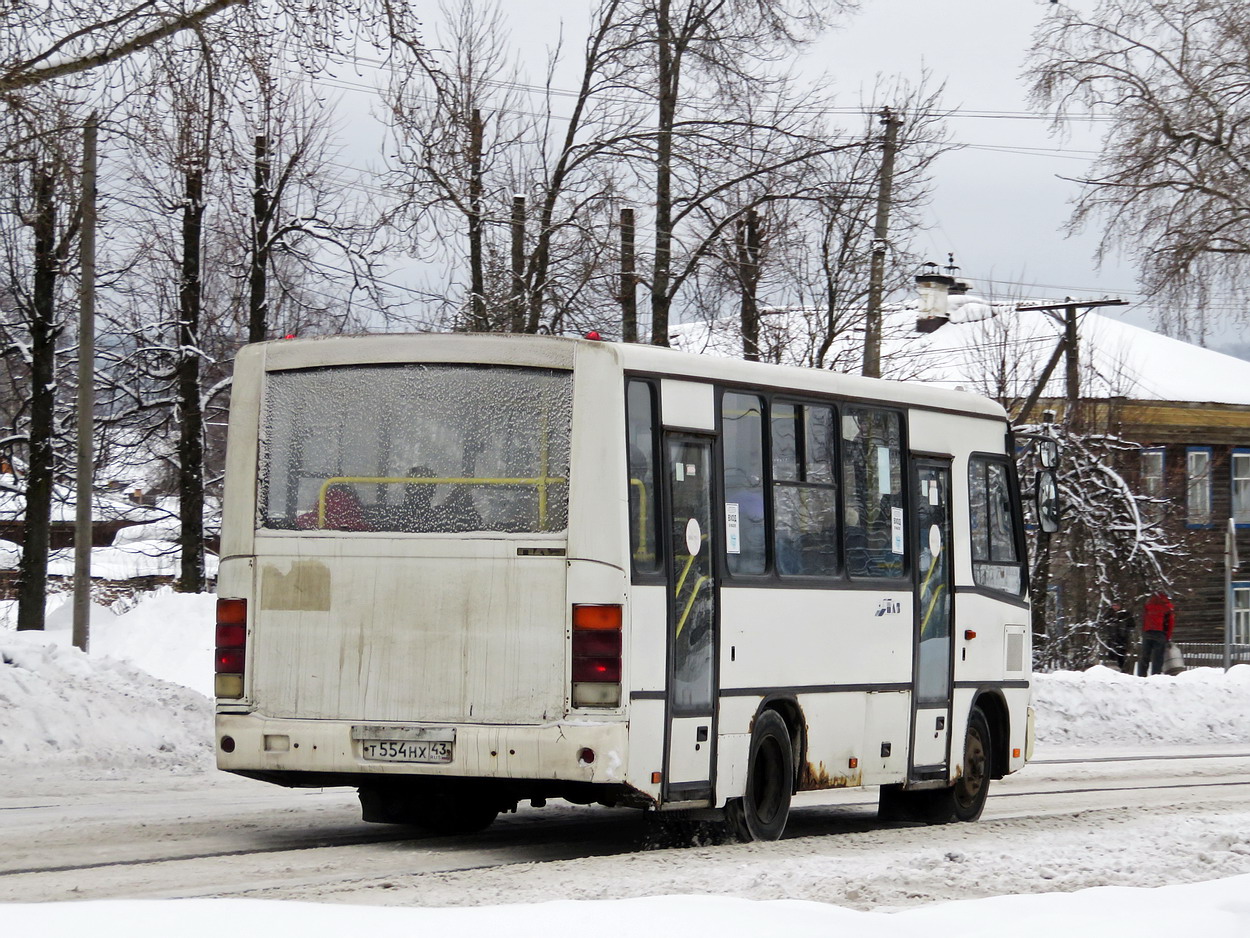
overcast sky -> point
(999, 203)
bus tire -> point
(761, 812)
(962, 801)
(965, 800)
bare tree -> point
(39, 225)
(70, 38)
(1171, 187)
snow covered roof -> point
(1001, 351)
(104, 508)
(1011, 347)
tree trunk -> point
(477, 277)
(33, 583)
(517, 302)
(262, 216)
(748, 244)
(191, 429)
(662, 266)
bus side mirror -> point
(1047, 501)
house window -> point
(1152, 482)
(1241, 486)
(1241, 613)
(1198, 485)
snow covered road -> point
(107, 791)
(1062, 824)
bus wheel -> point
(968, 794)
(962, 801)
(761, 812)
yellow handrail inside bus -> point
(540, 481)
(694, 594)
(643, 552)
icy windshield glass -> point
(416, 448)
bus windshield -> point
(416, 448)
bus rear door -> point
(931, 697)
(692, 618)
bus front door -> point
(692, 619)
(931, 698)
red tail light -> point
(596, 673)
(231, 655)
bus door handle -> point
(700, 735)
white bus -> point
(464, 571)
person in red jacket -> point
(1157, 623)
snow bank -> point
(60, 708)
(1102, 706)
(141, 697)
(1216, 909)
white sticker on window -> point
(691, 469)
(935, 540)
(733, 539)
(679, 472)
(884, 482)
(694, 537)
(896, 530)
(935, 494)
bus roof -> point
(561, 352)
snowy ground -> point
(135, 705)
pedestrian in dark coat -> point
(1118, 626)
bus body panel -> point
(646, 665)
(818, 637)
(354, 629)
(550, 751)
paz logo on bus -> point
(889, 607)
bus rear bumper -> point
(286, 751)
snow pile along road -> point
(1214, 910)
(138, 699)
(108, 711)
(1101, 706)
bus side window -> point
(644, 508)
(996, 555)
(804, 493)
(742, 434)
(872, 492)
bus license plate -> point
(406, 750)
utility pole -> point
(1069, 345)
(629, 279)
(86, 388)
(880, 233)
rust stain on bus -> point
(817, 778)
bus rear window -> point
(416, 448)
